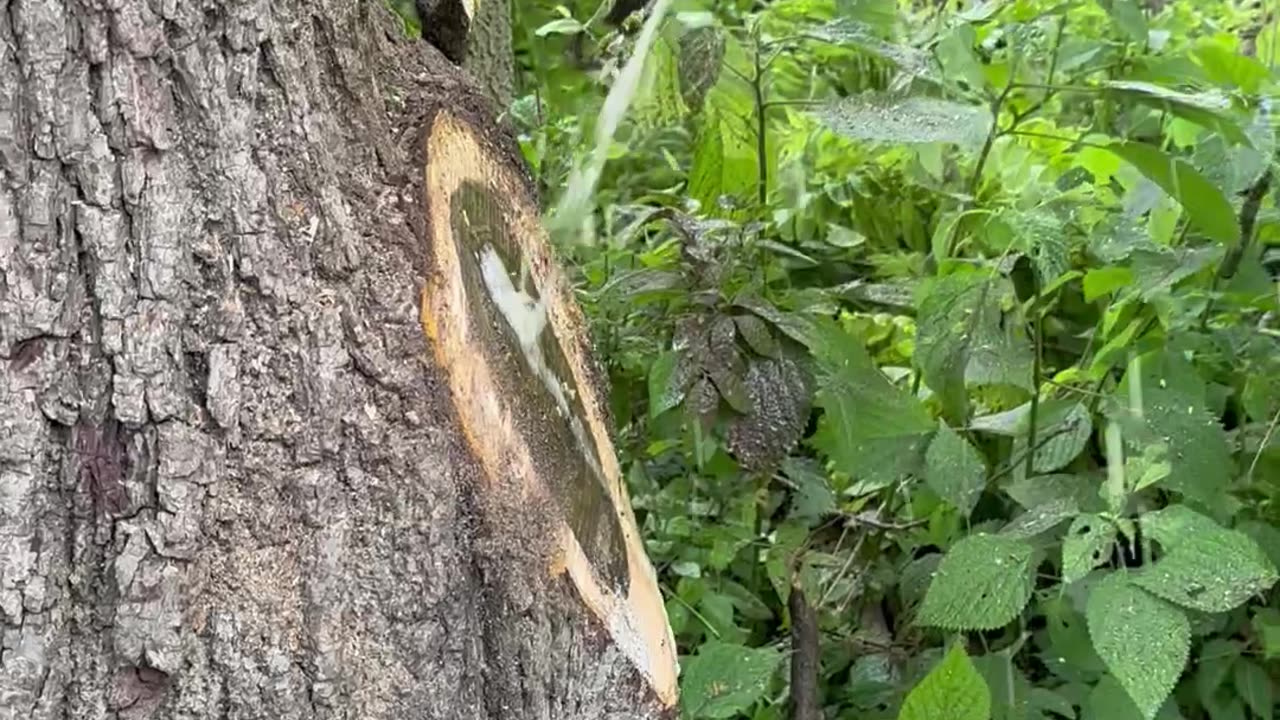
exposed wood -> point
(235, 481)
(503, 324)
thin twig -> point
(1266, 440)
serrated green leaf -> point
(1266, 535)
(953, 689)
(954, 469)
(1253, 683)
(1198, 451)
(1174, 525)
(1042, 236)
(724, 679)
(1176, 415)
(1156, 271)
(1086, 546)
(1143, 640)
(658, 99)
(724, 161)
(982, 583)
(873, 430)
(1213, 570)
(916, 119)
(1206, 206)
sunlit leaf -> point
(1206, 206)
(953, 689)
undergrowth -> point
(954, 324)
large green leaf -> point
(982, 583)
(954, 469)
(1143, 640)
(872, 429)
(912, 119)
(724, 679)
(953, 689)
(1211, 569)
(1206, 206)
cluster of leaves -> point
(959, 319)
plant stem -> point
(991, 138)
(762, 162)
(1038, 325)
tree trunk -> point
(490, 54)
(297, 418)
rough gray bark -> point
(490, 55)
(232, 483)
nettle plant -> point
(961, 323)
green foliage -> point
(1087, 545)
(723, 679)
(1142, 639)
(982, 583)
(961, 315)
(952, 689)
